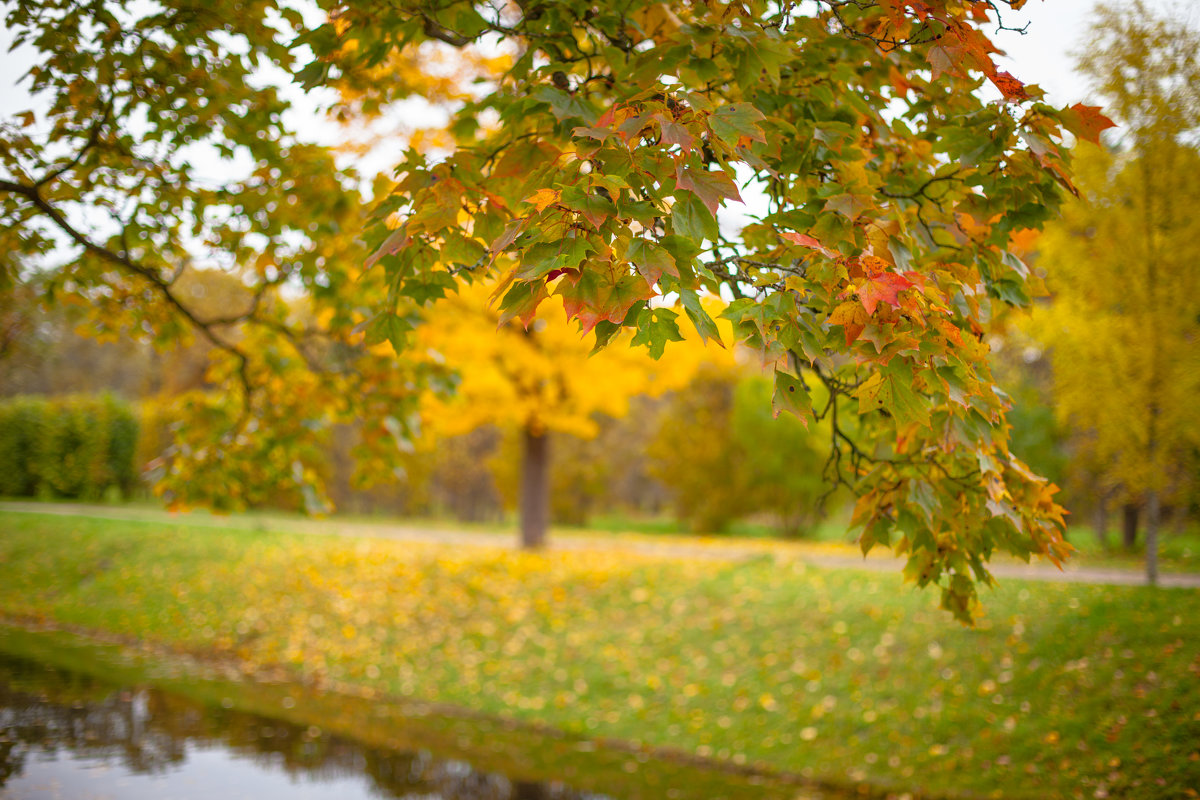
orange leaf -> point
(851, 317)
(1010, 87)
(1086, 122)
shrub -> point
(20, 419)
(67, 447)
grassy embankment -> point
(1179, 549)
(1062, 691)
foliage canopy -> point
(593, 165)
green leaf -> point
(691, 218)
(605, 331)
(656, 327)
(705, 325)
(522, 300)
(736, 120)
(565, 106)
(791, 395)
(683, 250)
(388, 327)
(544, 257)
(891, 390)
(428, 285)
(651, 260)
(591, 295)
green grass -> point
(1061, 691)
(1178, 551)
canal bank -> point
(82, 718)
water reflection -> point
(65, 735)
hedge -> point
(79, 446)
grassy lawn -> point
(1062, 691)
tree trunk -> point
(1129, 530)
(1153, 513)
(1100, 519)
(535, 490)
(528, 790)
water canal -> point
(82, 722)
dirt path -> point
(819, 554)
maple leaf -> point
(884, 286)
(736, 120)
(396, 240)
(848, 205)
(792, 396)
(710, 187)
(509, 235)
(804, 240)
(1009, 86)
(941, 61)
(651, 260)
(597, 133)
(949, 330)
(592, 295)
(691, 217)
(522, 301)
(543, 198)
(675, 134)
(1086, 122)
(872, 265)
(891, 390)
(851, 316)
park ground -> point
(782, 657)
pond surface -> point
(70, 734)
(140, 742)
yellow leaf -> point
(543, 198)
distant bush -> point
(67, 447)
(20, 419)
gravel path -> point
(818, 554)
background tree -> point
(724, 455)
(695, 454)
(536, 379)
(1125, 319)
(785, 458)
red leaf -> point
(804, 240)
(885, 286)
(606, 120)
(923, 10)
(710, 187)
(674, 133)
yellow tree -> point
(540, 378)
(1125, 318)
